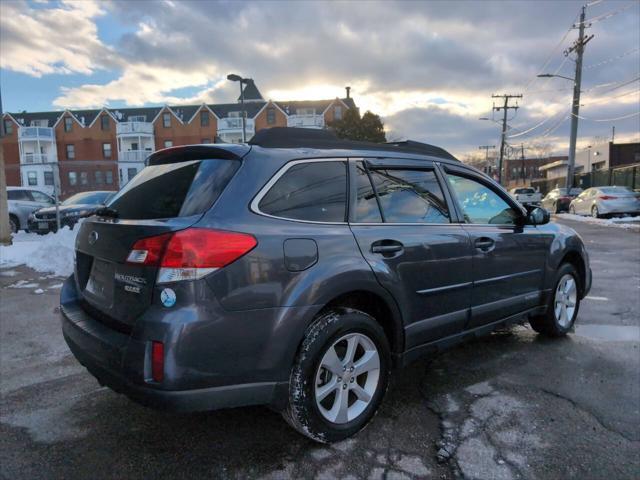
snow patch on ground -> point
(23, 284)
(630, 223)
(52, 253)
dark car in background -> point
(74, 208)
(558, 200)
(297, 270)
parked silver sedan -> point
(604, 201)
(23, 201)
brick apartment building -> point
(520, 172)
(103, 149)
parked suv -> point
(298, 270)
(22, 201)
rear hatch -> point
(162, 198)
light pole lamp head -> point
(234, 78)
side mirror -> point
(537, 216)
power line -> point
(606, 15)
(624, 117)
(612, 59)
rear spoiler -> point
(185, 153)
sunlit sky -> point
(428, 68)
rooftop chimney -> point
(348, 89)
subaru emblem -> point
(93, 237)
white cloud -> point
(41, 41)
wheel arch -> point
(15, 219)
(574, 258)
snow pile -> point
(53, 252)
(630, 223)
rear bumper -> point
(122, 362)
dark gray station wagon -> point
(298, 270)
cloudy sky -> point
(428, 68)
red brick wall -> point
(184, 133)
(261, 118)
(11, 156)
(329, 115)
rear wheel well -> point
(15, 219)
(373, 305)
(575, 259)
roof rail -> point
(288, 137)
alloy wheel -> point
(566, 298)
(594, 212)
(347, 378)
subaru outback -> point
(298, 271)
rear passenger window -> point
(406, 196)
(312, 191)
(18, 195)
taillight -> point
(564, 198)
(157, 361)
(192, 253)
(607, 197)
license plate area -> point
(100, 284)
(43, 225)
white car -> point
(526, 195)
(604, 201)
(22, 202)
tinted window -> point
(366, 205)
(406, 196)
(314, 191)
(480, 204)
(174, 189)
(619, 190)
(18, 195)
(40, 197)
(524, 191)
(87, 198)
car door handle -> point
(386, 247)
(484, 243)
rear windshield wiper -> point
(107, 212)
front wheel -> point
(594, 212)
(563, 305)
(572, 210)
(339, 377)
(13, 224)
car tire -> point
(328, 404)
(572, 210)
(556, 209)
(563, 304)
(14, 224)
(594, 212)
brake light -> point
(564, 198)
(607, 197)
(157, 361)
(192, 253)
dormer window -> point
(305, 111)
(68, 124)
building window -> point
(120, 176)
(48, 178)
(73, 178)
(131, 172)
(166, 120)
(168, 143)
(306, 111)
(68, 124)
(109, 177)
(99, 177)
(8, 127)
(337, 112)
(206, 140)
(204, 119)
(104, 122)
(71, 151)
(32, 178)
(84, 178)
(271, 116)
(106, 150)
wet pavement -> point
(507, 406)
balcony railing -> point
(32, 158)
(234, 123)
(138, 128)
(35, 133)
(305, 121)
(134, 155)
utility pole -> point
(505, 108)
(5, 233)
(578, 48)
(486, 148)
(524, 179)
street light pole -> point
(243, 81)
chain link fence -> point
(628, 176)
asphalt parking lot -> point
(510, 405)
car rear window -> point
(18, 195)
(615, 190)
(524, 191)
(174, 189)
(311, 191)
